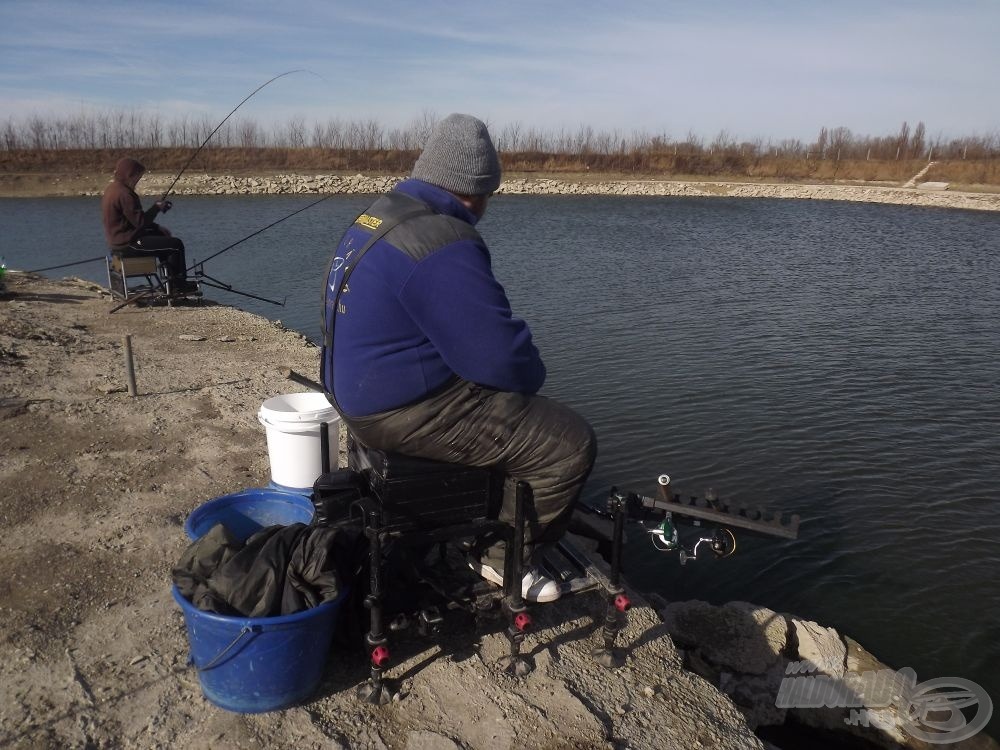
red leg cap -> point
(380, 656)
(522, 621)
(622, 603)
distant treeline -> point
(94, 141)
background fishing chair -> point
(124, 266)
(415, 503)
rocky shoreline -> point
(336, 184)
(94, 651)
(154, 184)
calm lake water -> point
(835, 360)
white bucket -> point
(293, 445)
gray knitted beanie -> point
(459, 157)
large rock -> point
(820, 646)
(782, 669)
(736, 637)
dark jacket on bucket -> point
(280, 570)
(121, 210)
(421, 307)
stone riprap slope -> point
(155, 184)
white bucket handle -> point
(290, 426)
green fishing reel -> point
(708, 514)
(666, 533)
(665, 538)
(722, 542)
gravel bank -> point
(332, 184)
(154, 184)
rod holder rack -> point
(717, 511)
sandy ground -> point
(97, 485)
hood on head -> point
(129, 171)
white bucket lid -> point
(302, 409)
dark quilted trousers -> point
(530, 438)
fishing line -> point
(230, 247)
(67, 265)
(198, 151)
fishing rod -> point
(198, 151)
(273, 223)
(186, 164)
(216, 284)
(198, 266)
(67, 265)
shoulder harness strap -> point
(400, 208)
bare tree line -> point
(95, 140)
(133, 129)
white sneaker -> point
(535, 585)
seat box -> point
(334, 496)
(419, 493)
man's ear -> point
(475, 203)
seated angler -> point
(424, 356)
(128, 228)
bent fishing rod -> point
(245, 100)
(197, 266)
(187, 163)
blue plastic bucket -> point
(254, 664)
(247, 512)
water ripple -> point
(834, 360)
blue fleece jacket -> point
(406, 326)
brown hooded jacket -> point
(120, 207)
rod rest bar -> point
(751, 519)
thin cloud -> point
(777, 69)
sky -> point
(758, 68)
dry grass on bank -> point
(631, 165)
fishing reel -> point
(665, 538)
(707, 514)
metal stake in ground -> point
(129, 366)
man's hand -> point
(164, 206)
